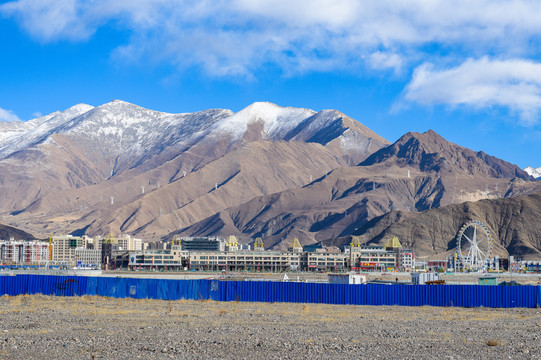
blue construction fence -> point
(267, 291)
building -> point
(436, 265)
(87, 258)
(24, 252)
(108, 248)
(374, 258)
(201, 254)
(325, 259)
(127, 242)
(204, 243)
(173, 258)
(408, 260)
(258, 244)
(295, 246)
(423, 278)
(83, 250)
(352, 279)
(63, 247)
(531, 266)
(271, 261)
(124, 241)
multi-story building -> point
(169, 259)
(245, 260)
(233, 258)
(24, 252)
(158, 259)
(87, 257)
(377, 258)
(373, 258)
(205, 243)
(324, 259)
(408, 260)
(124, 241)
(64, 247)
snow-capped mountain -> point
(268, 171)
(86, 145)
(15, 136)
(536, 173)
(129, 132)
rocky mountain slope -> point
(8, 232)
(413, 175)
(429, 152)
(265, 171)
(115, 166)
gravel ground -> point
(38, 327)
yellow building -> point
(64, 246)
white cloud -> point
(239, 37)
(514, 84)
(47, 20)
(8, 115)
(381, 61)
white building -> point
(408, 260)
(87, 257)
(125, 242)
(24, 252)
(352, 279)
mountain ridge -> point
(265, 171)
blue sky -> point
(469, 70)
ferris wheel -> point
(474, 246)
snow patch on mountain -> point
(351, 140)
(32, 132)
(536, 173)
(277, 120)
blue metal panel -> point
(371, 294)
(91, 286)
(379, 294)
(8, 286)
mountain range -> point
(265, 171)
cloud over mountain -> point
(514, 84)
(241, 39)
(6, 115)
(298, 36)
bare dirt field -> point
(42, 327)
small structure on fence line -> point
(422, 278)
(352, 279)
